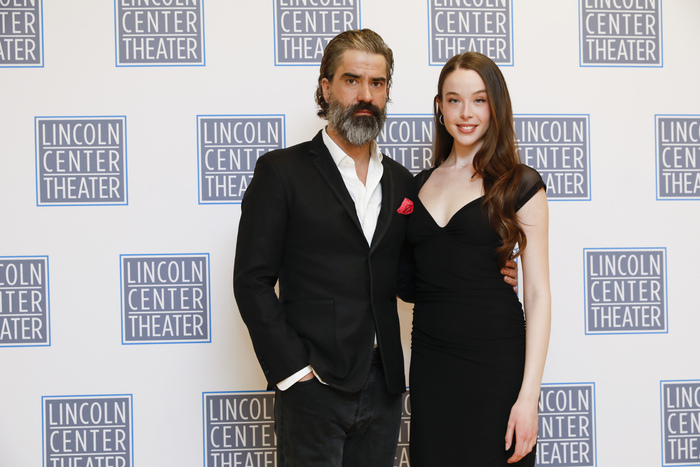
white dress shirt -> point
(367, 196)
(368, 201)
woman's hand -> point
(522, 428)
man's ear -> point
(326, 88)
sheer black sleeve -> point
(530, 183)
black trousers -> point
(319, 426)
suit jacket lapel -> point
(387, 202)
(326, 165)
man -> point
(323, 218)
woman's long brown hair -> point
(497, 161)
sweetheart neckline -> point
(451, 217)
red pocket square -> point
(406, 207)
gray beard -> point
(355, 130)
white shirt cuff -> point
(289, 382)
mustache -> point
(376, 111)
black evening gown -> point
(468, 348)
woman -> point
(476, 369)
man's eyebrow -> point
(356, 76)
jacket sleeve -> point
(259, 254)
(406, 282)
(406, 275)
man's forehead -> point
(361, 60)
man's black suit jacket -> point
(299, 225)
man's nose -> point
(364, 93)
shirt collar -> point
(338, 154)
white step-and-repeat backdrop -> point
(129, 130)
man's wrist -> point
(291, 380)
